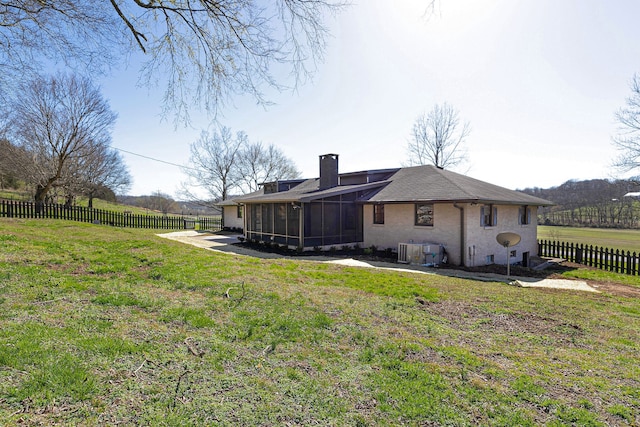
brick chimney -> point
(328, 171)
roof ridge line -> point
(455, 184)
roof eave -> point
(470, 201)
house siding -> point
(399, 227)
(230, 217)
(479, 241)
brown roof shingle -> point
(432, 184)
(425, 183)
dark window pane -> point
(378, 214)
(256, 218)
(314, 218)
(348, 217)
(280, 218)
(293, 220)
(331, 219)
(267, 218)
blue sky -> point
(539, 82)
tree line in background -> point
(165, 203)
(591, 203)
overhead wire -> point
(154, 159)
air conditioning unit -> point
(427, 254)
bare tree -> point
(162, 202)
(13, 162)
(259, 164)
(59, 120)
(203, 50)
(222, 163)
(102, 169)
(213, 164)
(438, 138)
(627, 142)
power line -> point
(154, 159)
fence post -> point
(601, 262)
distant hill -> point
(594, 203)
(195, 208)
(575, 193)
(165, 204)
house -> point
(232, 214)
(444, 213)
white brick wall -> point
(480, 242)
(230, 217)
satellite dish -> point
(508, 239)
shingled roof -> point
(432, 184)
(407, 185)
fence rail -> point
(614, 260)
(30, 210)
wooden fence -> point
(19, 209)
(614, 260)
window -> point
(488, 216)
(240, 207)
(424, 214)
(293, 219)
(524, 215)
(256, 218)
(267, 218)
(378, 214)
(280, 220)
(349, 217)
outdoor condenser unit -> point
(427, 254)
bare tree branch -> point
(61, 122)
(627, 141)
(438, 138)
(212, 163)
(202, 51)
(222, 163)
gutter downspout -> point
(462, 234)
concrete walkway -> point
(225, 243)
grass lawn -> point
(627, 240)
(107, 326)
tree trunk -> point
(41, 194)
(68, 203)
